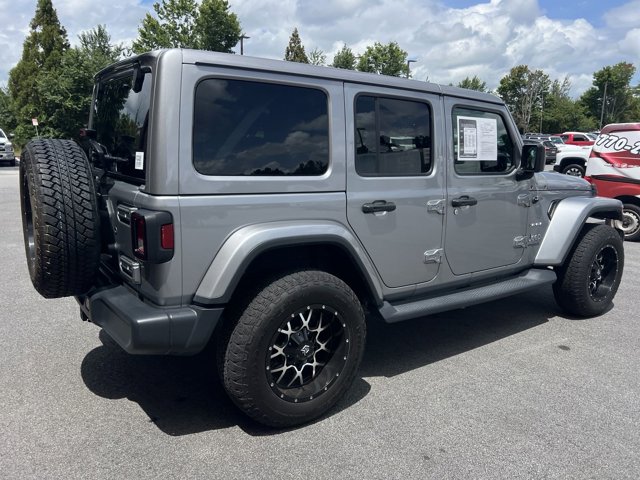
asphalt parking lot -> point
(509, 389)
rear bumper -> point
(141, 328)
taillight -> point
(166, 236)
(152, 236)
(139, 235)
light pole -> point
(409, 62)
(541, 109)
(604, 100)
(242, 38)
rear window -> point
(246, 128)
(120, 119)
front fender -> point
(568, 219)
(245, 244)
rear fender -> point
(247, 243)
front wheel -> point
(295, 349)
(631, 222)
(574, 170)
(589, 279)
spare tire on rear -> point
(60, 217)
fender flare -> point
(245, 244)
(568, 218)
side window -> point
(254, 128)
(580, 138)
(481, 143)
(392, 137)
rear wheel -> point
(574, 170)
(631, 222)
(295, 349)
(59, 217)
(589, 279)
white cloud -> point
(486, 39)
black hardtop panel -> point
(295, 68)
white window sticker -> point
(477, 138)
(139, 161)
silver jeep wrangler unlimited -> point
(269, 204)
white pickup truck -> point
(572, 159)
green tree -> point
(345, 58)
(474, 84)
(523, 90)
(612, 98)
(387, 59)
(217, 28)
(42, 55)
(295, 50)
(7, 121)
(317, 57)
(68, 95)
(186, 24)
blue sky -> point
(451, 39)
(590, 10)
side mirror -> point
(11, 135)
(531, 161)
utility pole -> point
(604, 100)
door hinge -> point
(436, 206)
(524, 200)
(433, 256)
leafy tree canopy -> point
(523, 90)
(186, 24)
(295, 50)
(387, 59)
(345, 58)
(67, 96)
(42, 55)
(317, 57)
(474, 84)
(611, 97)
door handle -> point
(378, 206)
(464, 201)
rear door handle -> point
(464, 201)
(378, 206)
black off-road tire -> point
(269, 343)
(60, 217)
(591, 274)
(631, 222)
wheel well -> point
(330, 258)
(572, 161)
(629, 199)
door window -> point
(481, 143)
(250, 128)
(392, 137)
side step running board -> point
(465, 298)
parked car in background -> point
(550, 151)
(614, 168)
(7, 154)
(576, 138)
(572, 161)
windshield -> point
(120, 119)
(2, 135)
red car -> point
(575, 138)
(614, 168)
